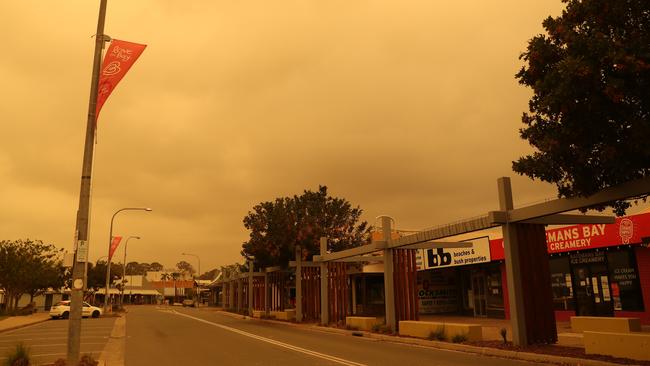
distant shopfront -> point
(598, 270)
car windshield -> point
(63, 303)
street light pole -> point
(83, 212)
(110, 239)
(197, 284)
(124, 269)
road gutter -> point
(113, 353)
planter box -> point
(420, 329)
(361, 322)
(629, 345)
(605, 324)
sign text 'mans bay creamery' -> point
(626, 230)
(574, 237)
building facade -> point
(596, 270)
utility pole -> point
(83, 213)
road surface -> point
(185, 336)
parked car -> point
(62, 310)
(188, 302)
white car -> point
(62, 310)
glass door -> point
(592, 290)
(479, 285)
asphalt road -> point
(184, 336)
(48, 341)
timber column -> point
(389, 285)
(240, 294)
(298, 283)
(267, 296)
(513, 266)
(324, 290)
(251, 266)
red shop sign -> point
(626, 230)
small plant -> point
(438, 334)
(18, 357)
(504, 334)
(376, 328)
(385, 329)
(459, 338)
(87, 360)
(351, 327)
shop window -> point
(561, 283)
(624, 277)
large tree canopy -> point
(589, 116)
(28, 267)
(277, 227)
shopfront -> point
(598, 270)
(461, 281)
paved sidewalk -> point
(15, 322)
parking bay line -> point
(50, 338)
(276, 343)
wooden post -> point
(266, 294)
(324, 288)
(298, 283)
(251, 266)
(389, 286)
(513, 268)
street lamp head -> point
(148, 209)
(136, 237)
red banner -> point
(626, 230)
(114, 244)
(121, 55)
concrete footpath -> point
(15, 322)
(484, 351)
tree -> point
(28, 267)
(589, 115)
(97, 274)
(277, 227)
(156, 267)
(210, 275)
(185, 267)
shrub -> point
(18, 357)
(459, 338)
(376, 328)
(438, 334)
(86, 360)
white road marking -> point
(277, 343)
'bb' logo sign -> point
(439, 259)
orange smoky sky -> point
(405, 108)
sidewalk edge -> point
(23, 325)
(484, 351)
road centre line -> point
(274, 342)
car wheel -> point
(95, 314)
(65, 315)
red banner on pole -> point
(121, 55)
(114, 244)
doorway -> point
(479, 284)
(593, 296)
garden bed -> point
(563, 351)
